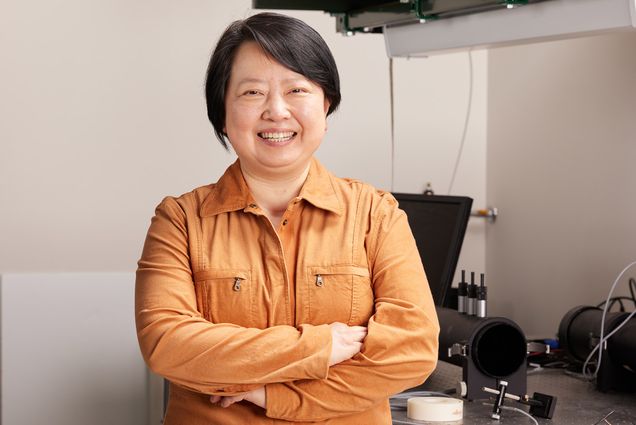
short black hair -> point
(289, 41)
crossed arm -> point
(346, 341)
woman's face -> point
(275, 118)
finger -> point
(358, 336)
(215, 399)
(354, 345)
(228, 401)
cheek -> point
(312, 117)
(239, 118)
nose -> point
(276, 108)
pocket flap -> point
(211, 274)
(345, 270)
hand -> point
(257, 397)
(346, 341)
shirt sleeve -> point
(400, 350)
(179, 344)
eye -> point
(251, 93)
(298, 90)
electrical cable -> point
(523, 412)
(618, 300)
(620, 303)
(576, 375)
(603, 339)
(516, 410)
(468, 109)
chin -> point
(285, 164)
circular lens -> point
(499, 350)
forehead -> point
(252, 62)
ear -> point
(327, 105)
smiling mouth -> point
(277, 137)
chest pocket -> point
(339, 294)
(225, 296)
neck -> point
(273, 193)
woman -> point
(281, 293)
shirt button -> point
(284, 222)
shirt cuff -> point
(319, 351)
(278, 398)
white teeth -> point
(278, 136)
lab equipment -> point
(438, 224)
(489, 350)
(579, 335)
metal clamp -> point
(458, 349)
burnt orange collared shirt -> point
(226, 303)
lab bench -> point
(578, 402)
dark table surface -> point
(578, 402)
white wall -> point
(69, 352)
(432, 96)
(103, 115)
(562, 171)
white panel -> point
(561, 157)
(69, 350)
(535, 22)
(431, 100)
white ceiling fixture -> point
(548, 20)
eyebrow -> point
(259, 80)
(251, 80)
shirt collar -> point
(319, 188)
(231, 193)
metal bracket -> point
(489, 213)
(537, 347)
(458, 349)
